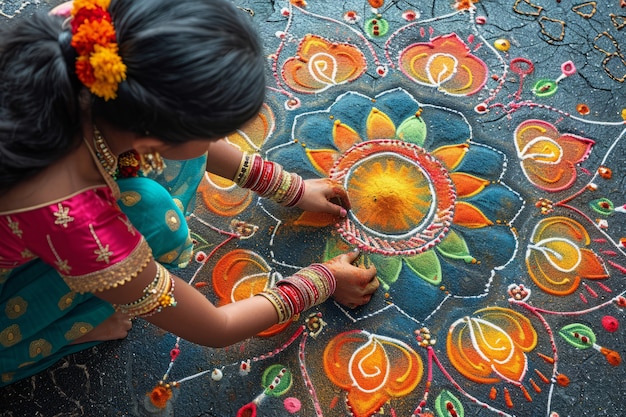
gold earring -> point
(151, 162)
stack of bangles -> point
(156, 296)
(307, 288)
(269, 180)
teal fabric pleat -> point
(38, 311)
(40, 316)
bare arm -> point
(320, 195)
(223, 159)
(196, 319)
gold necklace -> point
(104, 154)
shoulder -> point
(67, 177)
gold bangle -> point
(156, 296)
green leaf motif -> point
(446, 402)
(453, 246)
(578, 335)
(276, 380)
(412, 130)
(602, 206)
(426, 265)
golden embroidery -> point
(63, 216)
(66, 301)
(172, 220)
(10, 336)
(25, 364)
(78, 329)
(103, 252)
(168, 257)
(130, 198)
(4, 274)
(15, 307)
(62, 264)
(27, 254)
(15, 227)
(7, 377)
(129, 225)
(178, 204)
(39, 347)
(114, 275)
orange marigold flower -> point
(92, 33)
(99, 65)
(84, 70)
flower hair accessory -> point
(98, 66)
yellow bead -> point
(502, 45)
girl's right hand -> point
(355, 285)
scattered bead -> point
(292, 405)
(583, 109)
(351, 17)
(605, 172)
(502, 45)
(610, 323)
(568, 68)
(244, 368)
(410, 15)
(216, 375)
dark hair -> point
(39, 111)
(195, 69)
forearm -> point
(197, 320)
(223, 159)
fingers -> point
(352, 255)
(341, 195)
(334, 207)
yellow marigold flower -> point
(108, 70)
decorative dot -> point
(410, 15)
(502, 45)
(582, 109)
(216, 375)
(292, 405)
(605, 172)
(610, 323)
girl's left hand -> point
(324, 195)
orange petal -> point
(344, 136)
(239, 274)
(591, 266)
(451, 155)
(467, 185)
(379, 125)
(468, 215)
(225, 202)
(322, 159)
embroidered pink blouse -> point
(85, 237)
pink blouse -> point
(85, 237)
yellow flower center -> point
(389, 194)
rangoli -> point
(482, 147)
